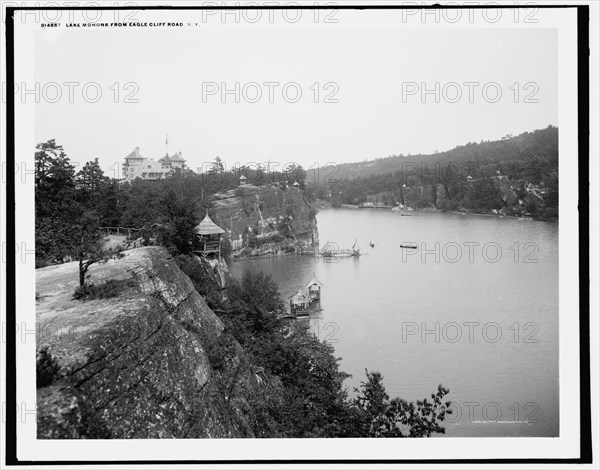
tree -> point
(551, 196)
(217, 167)
(53, 170)
(295, 172)
(90, 180)
(177, 223)
(260, 290)
(382, 417)
(90, 248)
(55, 203)
(112, 201)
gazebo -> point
(314, 289)
(208, 237)
(299, 302)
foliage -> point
(382, 417)
(106, 290)
(178, 222)
(295, 173)
(303, 395)
(90, 181)
(258, 290)
(531, 157)
(67, 203)
(46, 368)
(226, 248)
(203, 280)
(277, 238)
(217, 166)
(90, 248)
(55, 203)
(163, 212)
(255, 241)
(67, 220)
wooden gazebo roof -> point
(299, 297)
(314, 281)
(207, 227)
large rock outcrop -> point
(137, 365)
(266, 218)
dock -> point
(302, 303)
(342, 252)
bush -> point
(551, 213)
(203, 280)
(106, 290)
(42, 263)
(252, 240)
(449, 205)
(226, 248)
(46, 368)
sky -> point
(367, 80)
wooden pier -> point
(341, 252)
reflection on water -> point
(475, 308)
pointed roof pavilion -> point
(207, 227)
(299, 297)
(314, 282)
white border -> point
(566, 446)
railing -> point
(211, 246)
(120, 230)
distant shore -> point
(431, 209)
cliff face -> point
(438, 196)
(137, 365)
(266, 219)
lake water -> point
(474, 308)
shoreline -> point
(424, 209)
(279, 254)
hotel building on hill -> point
(137, 166)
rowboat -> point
(410, 246)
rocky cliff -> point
(266, 219)
(440, 196)
(143, 364)
(418, 196)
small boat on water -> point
(402, 209)
(410, 246)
